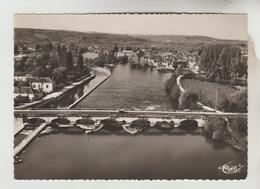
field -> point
(207, 91)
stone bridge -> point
(123, 113)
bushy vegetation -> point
(63, 63)
(222, 63)
(236, 103)
(173, 90)
(232, 131)
(188, 100)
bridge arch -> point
(61, 120)
(35, 121)
(188, 124)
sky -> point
(223, 26)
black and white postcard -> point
(130, 96)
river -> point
(122, 156)
(132, 89)
(109, 155)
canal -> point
(109, 155)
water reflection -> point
(216, 144)
(122, 156)
(130, 88)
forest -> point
(222, 63)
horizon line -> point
(68, 30)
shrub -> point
(188, 100)
(237, 103)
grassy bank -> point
(173, 90)
(207, 91)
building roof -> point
(23, 90)
(39, 80)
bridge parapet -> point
(109, 113)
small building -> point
(22, 77)
(24, 92)
(19, 57)
(124, 53)
(120, 54)
(44, 84)
(128, 52)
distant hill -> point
(185, 39)
(33, 36)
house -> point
(19, 57)
(41, 83)
(127, 52)
(24, 92)
(120, 54)
(21, 77)
(124, 53)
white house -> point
(41, 83)
(124, 53)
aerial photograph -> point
(130, 96)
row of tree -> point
(110, 57)
(222, 62)
(63, 64)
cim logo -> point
(230, 168)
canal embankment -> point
(57, 94)
(97, 81)
(28, 139)
(18, 125)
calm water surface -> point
(111, 156)
(130, 88)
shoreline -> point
(100, 70)
(232, 140)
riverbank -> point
(97, 81)
(209, 91)
(56, 94)
(231, 131)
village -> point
(48, 67)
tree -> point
(42, 59)
(37, 47)
(100, 60)
(41, 71)
(59, 75)
(220, 61)
(115, 48)
(69, 61)
(124, 59)
(80, 62)
(237, 102)
(53, 60)
(188, 100)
